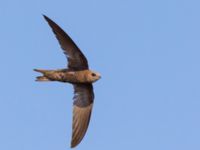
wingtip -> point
(45, 17)
(74, 144)
(81, 120)
(49, 21)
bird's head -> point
(93, 76)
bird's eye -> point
(93, 74)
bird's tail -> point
(41, 78)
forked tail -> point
(41, 78)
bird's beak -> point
(99, 75)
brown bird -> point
(80, 76)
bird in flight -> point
(79, 75)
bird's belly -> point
(77, 77)
(72, 77)
(68, 76)
(60, 76)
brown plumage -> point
(78, 74)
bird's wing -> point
(76, 59)
(83, 102)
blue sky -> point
(147, 52)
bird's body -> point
(80, 76)
(66, 75)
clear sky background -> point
(148, 53)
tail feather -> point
(42, 78)
(40, 70)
